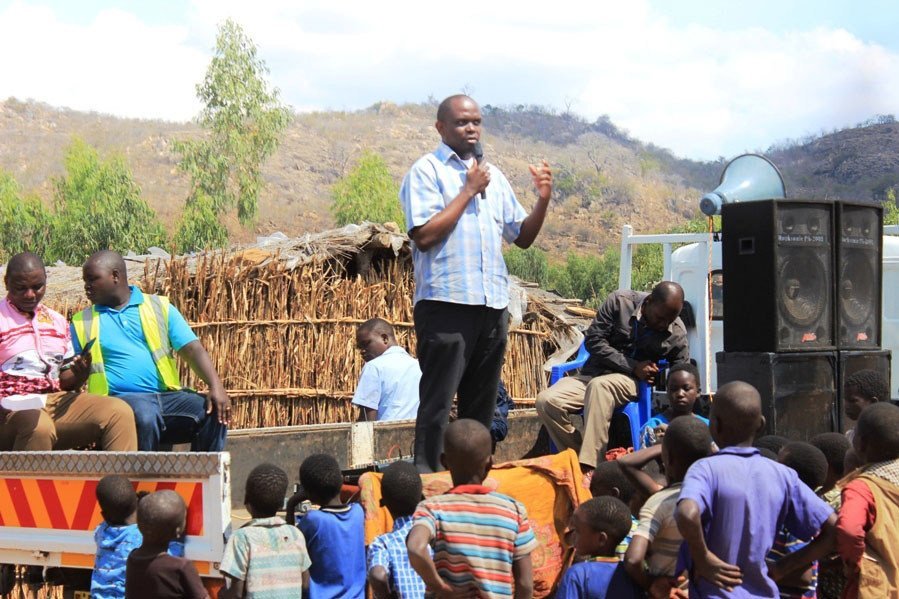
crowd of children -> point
(706, 511)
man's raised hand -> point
(543, 180)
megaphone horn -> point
(746, 178)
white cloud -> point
(115, 64)
(698, 91)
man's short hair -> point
(108, 260)
(378, 326)
(834, 447)
(321, 477)
(807, 460)
(21, 263)
(688, 438)
(609, 515)
(610, 474)
(266, 489)
(117, 498)
(665, 290)
(870, 384)
(878, 427)
(446, 106)
(401, 488)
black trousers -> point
(460, 351)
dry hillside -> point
(609, 182)
(604, 178)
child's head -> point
(772, 443)
(807, 460)
(600, 524)
(834, 447)
(862, 389)
(160, 517)
(609, 480)
(685, 441)
(736, 415)
(467, 451)
(683, 388)
(117, 499)
(265, 490)
(877, 433)
(767, 453)
(400, 489)
(373, 337)
(321, 478)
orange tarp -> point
(550, 487)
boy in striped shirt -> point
(482, 540)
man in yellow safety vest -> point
(133, 337)
(41, 403)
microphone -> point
(478, 151)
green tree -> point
(698, 224)
(24, 221)
(200, 227)
(586, 277)
(367, 192)
(99, 206)
(529, 265)
(243, 119)
(890, 209)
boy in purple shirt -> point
(732, 504)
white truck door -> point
(690, 268)
(889, 336)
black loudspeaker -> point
(851, 362)
(859, 275)
(778, 276)
(799, 394)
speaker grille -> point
(778, 276)
(858, 285)
(803, 287)
(802, 279)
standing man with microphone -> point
(459, 209)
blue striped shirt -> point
(467, 267)
(389, 551)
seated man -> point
(40, 375)
(388, 385)
(630, 333)
(135, 336)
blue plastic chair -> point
(637, 412)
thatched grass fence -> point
(281, 333)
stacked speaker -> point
(802, 306)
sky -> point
(705, 79)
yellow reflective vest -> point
(154, 320)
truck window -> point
(716, 285)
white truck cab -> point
(694, 261)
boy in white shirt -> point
(388, 385)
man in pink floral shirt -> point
(41, 407)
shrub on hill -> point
(367, 193)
